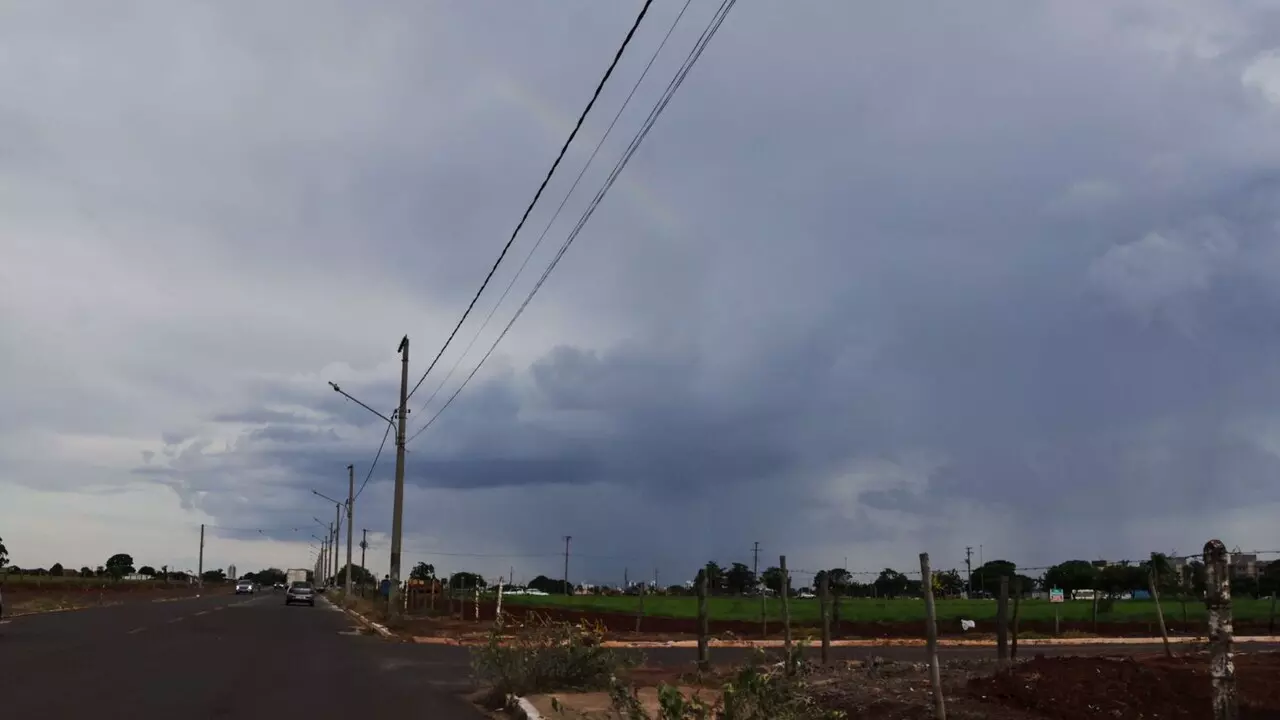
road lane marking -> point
(202, 612)
(170, 622)
(135, 631)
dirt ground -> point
(27, 598)
(1066, 688)
(1130, 688)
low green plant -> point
(540, 655)
(755, 692)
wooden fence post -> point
(1002, 623)
(1271, 624)
(497, 612)
(1017, 599)
(824, 600)
(786, 615)
(1217, 600)
(704, 651)
(640, 612)
(835, 614)
(931, 638)
(1155, 595)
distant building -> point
(231, 572)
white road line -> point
(202, 612)
(135, 631)
(177, 619)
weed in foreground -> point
(756, 692)
(540, 655)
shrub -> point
(541, 655)
(756, 692)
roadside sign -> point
(1055, 595)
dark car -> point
(300, 592)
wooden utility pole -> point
(931, 639)
(786, 615)
(824, 600)
(1152, 582)
(1002, 623)
(755, 570)
(1217, 600)
(704, 650)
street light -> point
(397, 511)
(337, 528)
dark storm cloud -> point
(969, 260)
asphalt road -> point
(222, 656)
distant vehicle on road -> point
(244, 587)
(278, 586)
(293, 575)
(300, 592)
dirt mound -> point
(1066, 688)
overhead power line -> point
(374, 464)
(559, 157)
(556, 214)
(699, 47)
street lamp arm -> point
(346, 395)
(326, 497)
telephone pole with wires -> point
(364, 545)
(351, 501)
(397, 512)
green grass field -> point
(806, 612)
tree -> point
(100, 571)
(891, 583)
(715, 576)
(213, 576)
(839, 580)
(119, 565)
(773, 579)
(421, 571)
(947, 583)
(544, 584)
(144, 570)
(469, 580)
(739, 580)
(359, 576)
(56, 570)
(1269, 579)
(987, 577)
(4, 554)
(86, 572)
(1072, 575)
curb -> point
(380, 629)
(522, 708)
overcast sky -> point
(885, 278)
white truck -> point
(294, 575)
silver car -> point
(244, 586)
(300, 592)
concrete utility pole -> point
(567, 538)
(200, 563)
(351, 501)
(397, 512)
(968, 566)
(337, 529)
(364, 545)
